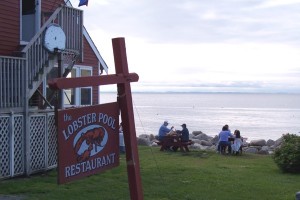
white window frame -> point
(78, 90)
(37, 20)
(77, 99)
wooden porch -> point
(22, 75)
(28, 134)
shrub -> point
(287, 156)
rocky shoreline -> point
(202, 141)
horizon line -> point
(199, 92)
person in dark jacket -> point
(184, 133)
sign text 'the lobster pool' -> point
(86, 120)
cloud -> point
(197, 21)
(278, 3)
(202, 44)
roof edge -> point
(91, 43)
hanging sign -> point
(88, 141)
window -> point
(70, 94)
(86, 96)
(73, 96)
(86, 92)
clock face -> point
(54, 38)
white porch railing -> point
(37, 57)
(12, 82)
(22, 76)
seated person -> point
(223, 139)
(163, 130)
(184, 134)
(238, 142)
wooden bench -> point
(175, 142)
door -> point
(31, 12)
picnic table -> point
(174, 141)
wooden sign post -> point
(127, 116)
(122, 78)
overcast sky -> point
(202, 45)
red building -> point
(39, 40)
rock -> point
(202, 136)
(278, 143)
(197, 141)
(205, 143)
(144, 136)
(143, 141)
(263, 152)
(270, 142)
(151, 137)
(195, 146)
(256, 147)
(202, 141)
(153, 144)
(271, 152)
(259, 142)
(213, 148)
(215, 140)
(195, 133)
(245, 144)
(198, 146)
(271, 148)
(204, 147)
(251, 150)
(265, 148)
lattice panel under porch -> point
(37, 142)
(18, 145)
(4, 147)
(52, 141)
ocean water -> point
(257, 116)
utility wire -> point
(160, 174)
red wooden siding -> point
(51, 5)
(10, 34)
(9, 27)
(90, 59)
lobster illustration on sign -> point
(88, 142)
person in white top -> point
(238, 142)
(121, 139)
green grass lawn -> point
(170, 175)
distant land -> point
(188, 92)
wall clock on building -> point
(54, 38)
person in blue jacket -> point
(164, 130)
(224, 136)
